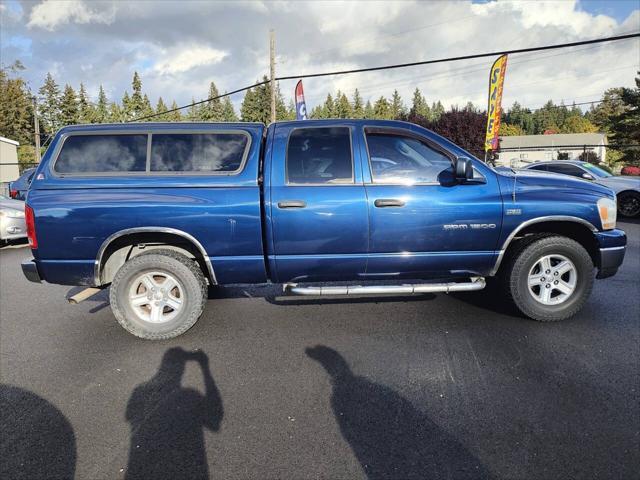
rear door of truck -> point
(317, 225)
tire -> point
(545, 302)
(145, 308)
(629, 204)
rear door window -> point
(319, 155)
(86, 154)
(566, 169)
(194, 152)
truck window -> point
(82, 154)
(398, 159)
(319, 155)
(198, 152)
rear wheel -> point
(629, 204)
(549, 278)
(159, 294)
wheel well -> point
(127, 246)
(573, 230)
(633, 192)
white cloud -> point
(51, 14)
(187, 57)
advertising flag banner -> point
(496, 82)
(301, 106)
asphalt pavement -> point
(432, 386)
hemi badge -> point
(514, 211)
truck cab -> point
(376, 206)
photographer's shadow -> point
(167, 421)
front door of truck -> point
(422, 222)
(317, 220)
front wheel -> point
(158, 294)
(549, 278)
(629, 204)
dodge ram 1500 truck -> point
(161, 211)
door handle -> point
(388, 202)
(292, 204)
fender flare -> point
(128, 231)
(533, 221)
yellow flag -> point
(496, 82)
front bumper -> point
(613, 245)
(30, 270)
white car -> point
(627, 189)
(12, 223)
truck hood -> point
(554, 180)
(619, 184)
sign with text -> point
(301, 106)
(496, 82)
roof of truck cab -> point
(156, 125)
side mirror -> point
(588, 176)
(464, 168)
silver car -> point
(12, 223)
(627, 189)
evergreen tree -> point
(419, 106)
(69, 110)
(342, 107)
(161, 110)
(16, 110)
(291, 111)
(127, 107)
(610, 107)
(328, 107)
(368, 110)
(101, 113)
(49, 105)
(228, 112)
(212, 111)
(193, 114)
(625, 127)
(116, 113)
(147, 109)
(437, 110)
(175, 115)
(397, 109)
(358, 107)
(256, 105)
(137, 104)
(382, 109)
(248, 108)
(86, 112)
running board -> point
(476, 283)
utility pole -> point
(36, 127)
(272, 69)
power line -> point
(464, 57)
(403, 65)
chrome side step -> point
(476, 283)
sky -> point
(178, 47)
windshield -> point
(597, 171)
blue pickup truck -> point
(162, 211)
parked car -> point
(12, 222)
(627, 189)
(19, 187)
(630, 170)
(159, 211)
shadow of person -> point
(37, 440)
(167, 421)
(391, 438)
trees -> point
(101, 112)
(16, 110)
(86, 112)
(396, 108)
(382, 109)
(229, 113)
(69, 109)
(509, 130)
(358, 107)
(419, 106)
(161, 110)
(212, 111)
(625, 126)
(49, 105)
(256, 105)
(175, 115)
(463, 127)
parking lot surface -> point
(431, 386)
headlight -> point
(608, 211)
(12, 213)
